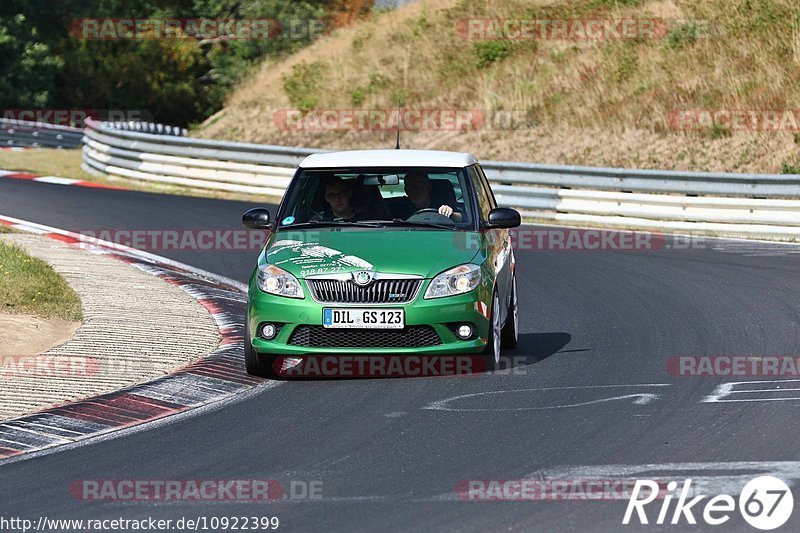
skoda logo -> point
(362, 277)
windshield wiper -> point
(401, 222)
(333, 223)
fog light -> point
(464, 331)
(268, 331)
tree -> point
(178, 81)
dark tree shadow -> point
(531, 348)
(535, 347)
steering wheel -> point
(429, 214)
(425, 210)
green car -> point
(382, 253)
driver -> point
(419, 195)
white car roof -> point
(389, 158)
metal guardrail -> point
(744, 205)
(148, 127)
(20, 133)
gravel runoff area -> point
(136, 327)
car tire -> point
(492, 353)
(255, 364)
(510, 336)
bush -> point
(302, 85)
(358, 96)
(790, 168)
(683, 35)
(489, 52)
(718, 131)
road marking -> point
(642, 398)
(204, 385)
(15, 174)
(709, 478)
(88, 242)
(56, 180)
(726, 390)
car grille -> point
(409, 337)
(380, 291)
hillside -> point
(595, 101)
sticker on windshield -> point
(288, 220)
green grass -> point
(788, 167)
(303, 84)
(489, 52)
(30, 286)
(704, 55)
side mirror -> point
(257, 218)
(504, 217)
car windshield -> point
(435, 198)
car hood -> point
(396, 250)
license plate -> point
(363, 318)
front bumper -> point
(439, 313)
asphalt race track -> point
(590, 395)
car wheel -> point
(511, 329)
(492, 353)
(255, 364)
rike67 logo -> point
(765, 503)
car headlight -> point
(458, 280)
(275, 280)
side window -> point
(489, 192)
(484, 203)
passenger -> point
(351, 201)
(339, 197)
